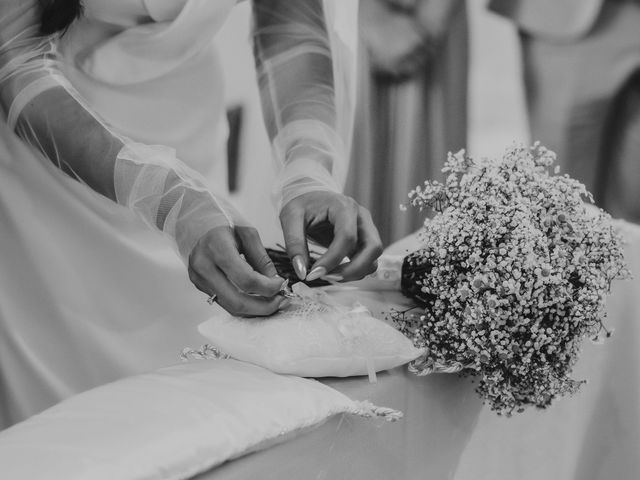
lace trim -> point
(206, 352)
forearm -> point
(149, 180)
(72, 138)
(293, 58)
(39, 103)
(294, 61)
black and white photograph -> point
(319, 239)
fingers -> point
(364, 262)
(213, 281)
(226, 257)
(216, 266)
(345, 240)
(330, 215)
(255, 252)
(292, 219)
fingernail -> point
(284, 303)
(316, 273)
(299, 267)
(333, 278)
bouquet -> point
(511, 278)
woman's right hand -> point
(232, 265)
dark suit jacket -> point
(555, 19)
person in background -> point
(581, 71)
(412, 104)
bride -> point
(114, 118)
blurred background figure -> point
(412, 103)
(581, 69)
(494, 107)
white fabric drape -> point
(88, 293)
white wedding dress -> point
(88, 293)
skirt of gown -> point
(87, 293)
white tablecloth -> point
(448, 434)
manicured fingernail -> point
(316, 273)
(333, 278)
(299, 267)
(284, 303)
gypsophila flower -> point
(512, 276)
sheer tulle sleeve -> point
(304, 65)
(46, 112)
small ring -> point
(212, 299)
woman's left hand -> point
(334, 221)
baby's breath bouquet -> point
(511, 277)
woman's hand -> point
(233, 266)
(334, 221)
